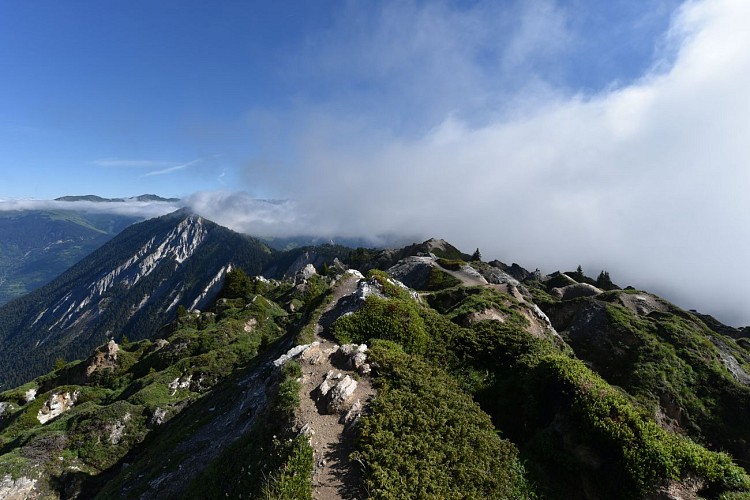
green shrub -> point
(425, 438)
(398, 320)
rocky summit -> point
(193, 362)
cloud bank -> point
(647, 179)
(133, 208)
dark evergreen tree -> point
(477, 255)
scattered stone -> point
(57, 404)
(306, 430)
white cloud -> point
(144, 209)
(647, 180)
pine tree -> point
(477, 255)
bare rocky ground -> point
(335, 476)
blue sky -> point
(174, 97)
(550, 133)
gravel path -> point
(334, 476)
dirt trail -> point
(334, 476)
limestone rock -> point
(57, 404)
(105, 356)
(117, 430)
(159, 417)
(354, 356)
(293, 353)
(22, 488)
(413, 271)
(180, 383)
(30, 395)
(336, 391)
(305, 274)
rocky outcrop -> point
(5, 407)
(57, 404)
(413, 272)
(305, 274)
(104, 357)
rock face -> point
(132, 285)
(57, 404)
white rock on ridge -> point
(30, 395)
(305, 274)
(22, 488)
(354, 273)
(180, 383)
(57, 404)
(159, 417)
(117, 430)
